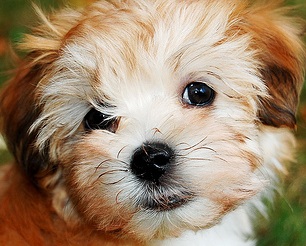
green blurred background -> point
(287, 215)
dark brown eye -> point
(198, 94)
(95, 120)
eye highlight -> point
(95, 120)
(198, 94)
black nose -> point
(151, 160)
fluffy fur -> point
(132, 60)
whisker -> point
(101, 163)
(112, 171)
(196, 159)
(200, 148)
(192, 146)
(207, 148)
(98, 179)
(115, 182)
(119, 152)
(117, 196)
(112, 161)
(156, 130)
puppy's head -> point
(148, 113)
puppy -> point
(149, 123)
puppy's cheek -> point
(95, 185)
(224, 169)
(228, 182)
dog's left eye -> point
(95, 120)
(198, 94)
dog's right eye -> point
(95, 120)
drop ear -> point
(278, 40)
(18, 111)
(279, 109)
(19, 100)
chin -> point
(149, 123)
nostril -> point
(151, 160)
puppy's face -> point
(150, 113)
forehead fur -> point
(128, 53)
(133, 52)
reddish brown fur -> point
(27, 217)
(282, 54)
(18, 111)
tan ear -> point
(18, 111)
(19, 106)
(277, 38)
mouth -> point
(159, 199)
(166, 203)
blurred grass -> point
(286, 225)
